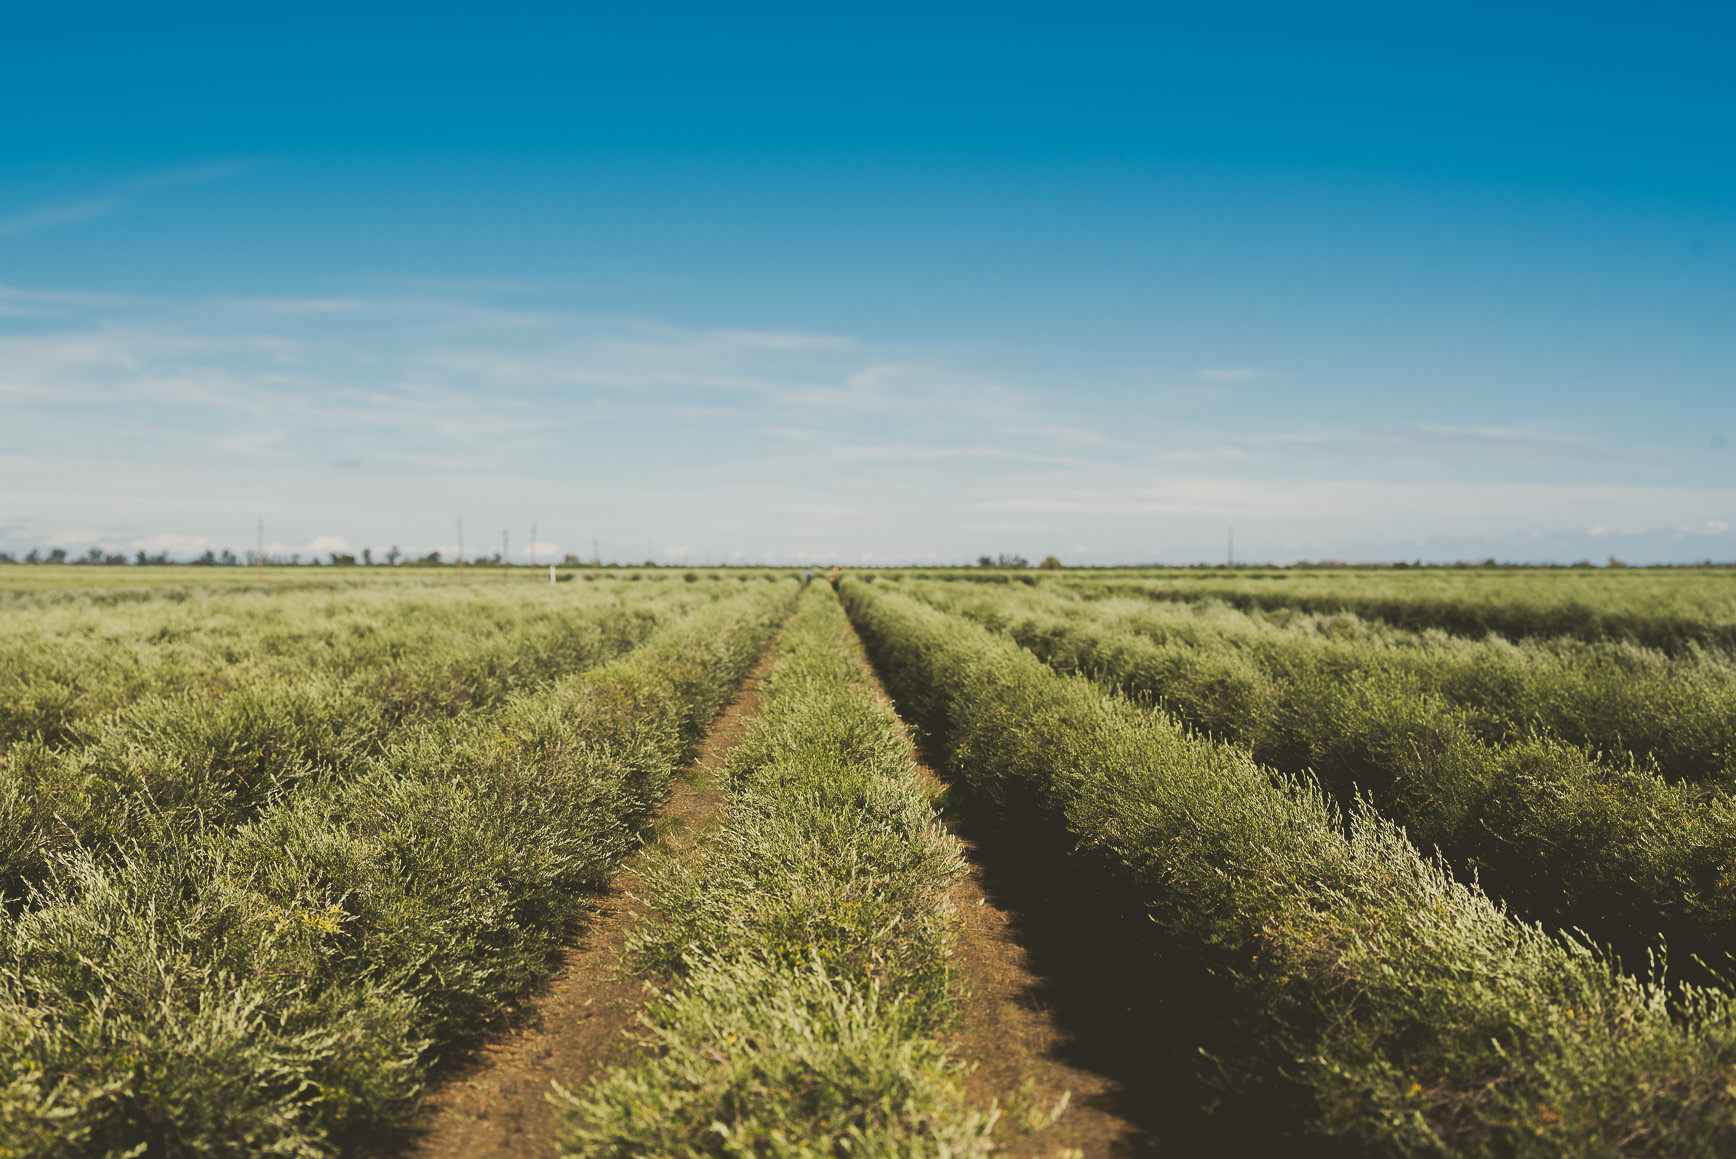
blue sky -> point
(888, 283)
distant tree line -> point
(392, 556)
(208, 558)
(226, 558)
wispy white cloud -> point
(1414, 444)
(339, 415)
(1072, 436)
(782, 340)
(65, 213)
(18, 302)
(1461, 507)
(916, 453)
(75, 210)
(306, 305)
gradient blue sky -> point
(871, 283)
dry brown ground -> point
(1011, 1036)
(495, 1105)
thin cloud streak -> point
(81, 209)
(395, 411)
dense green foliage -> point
(279, 984)
(1677, 712)
(208, 707)
(808, 944)
(1602, 845)
(1418, 1016)
(70, 660)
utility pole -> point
(461, 549)
(259, 556)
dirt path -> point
(494, 1106)
(1009, 1030)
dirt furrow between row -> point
(494, 1105)
(1009, 1032)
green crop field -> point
(1276, 784)
(1410, 862)
(269, 852)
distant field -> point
(41, 577)
(55, 577)
(1660, 607)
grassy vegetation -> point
(280, 985)
(1414, 1016)
(84, 578)
(1667, 609)
(119, 718)
(70, 656)
(808, 946)
(81, 580)
(268, 852)
(1603, 845)
(1674, 713)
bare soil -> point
(495, 1104)
(1009, 1031)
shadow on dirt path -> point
(1012, 1032)
(1078, 990)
